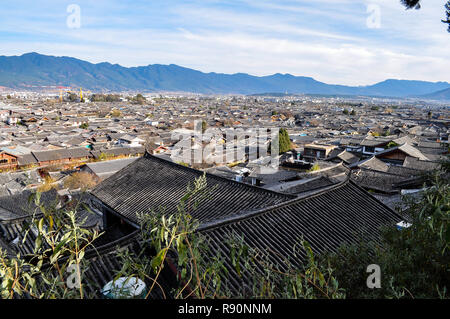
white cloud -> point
(327, 40)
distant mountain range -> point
(439, 95)
(33, 69)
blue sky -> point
(336, 41)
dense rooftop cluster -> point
(349, 164)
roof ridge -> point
(246, 215)
(229, 181)
(325, 169)
(379, 201)
(377, 171)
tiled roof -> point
(151, 182)
(60, 154)
(309, 185)
(346, 157)
(27, 159)
(376, 180)
(101, 168)
(407, 149)
(372, 163)
(104, 265)
(372, 141)
(19, 205)
(415, 163)
(342, 214)
(119, 151)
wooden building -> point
(8, 161)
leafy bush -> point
(60, 245)
(415, 261)
(314, 168)
(80, 180)
(284, 141)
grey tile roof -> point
(27, 159)
(309, 185)
(346, 157)
(18, 205)
(271, 176)
(65, 153)
(376, 180)
(415, 163)
(119, 151)
(372, 163)
(327, 171)
(375, 141)
(109, 167)
(407, 149)
(150, 183)
(342, 214)
(403, 171)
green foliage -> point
(173, 238)
(275, 281)
(284, 141)
(104, 156)
(84, 126)
(345, 111)
(138, 99)
(60, 245)
(105, 98)
(116, 113)
(391, 144)
(204, 126)
(415, 262)
(73, 97)
(314, 168)
(409, 4)
(183, 163)
(447, 13)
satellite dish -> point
(125, 288)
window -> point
(3, 161)
(369, 149)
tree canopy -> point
(284, 141)
(447, 20)
(410, 4)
